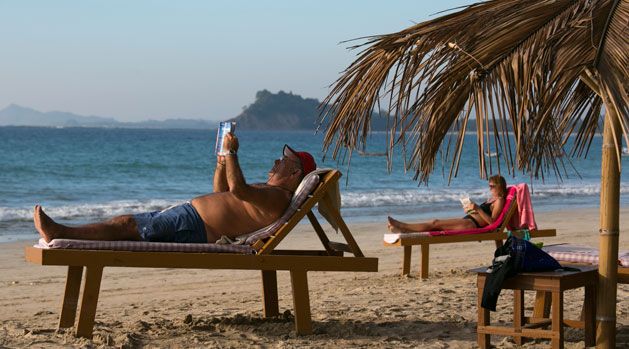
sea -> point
(83, 175)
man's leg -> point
(117, 228)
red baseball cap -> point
(307, 161)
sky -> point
(138, 60)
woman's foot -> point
(394, 226)
(46, 227)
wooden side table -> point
(531, 326)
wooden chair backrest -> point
(328, 180)
(513, 208)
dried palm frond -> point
(502, 64)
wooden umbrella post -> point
(609, 222)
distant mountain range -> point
(15, 115)
(269, 111)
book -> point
(224, 128)
(465, 201)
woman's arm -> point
(496, 209)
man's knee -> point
(127, 226)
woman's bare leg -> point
(396, 226)
(117, 228)
(454, 224)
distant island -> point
(269, 111)
(279, 111)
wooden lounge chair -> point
(495, 233)
(262, 256)
(576, 255)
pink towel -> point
(524, 218)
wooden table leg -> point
(542, 305)
(71, 297)
(589, 315)
(557, 320)
(518, 315)
(301, 301)
(89, 301)
(406, 261)
(269, 293)
(424, 260)
(483, 339)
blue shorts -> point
(180, 223)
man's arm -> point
(220, 177)
(235, 180)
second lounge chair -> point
(492, 232)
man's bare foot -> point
(46, 227)
(394, 225)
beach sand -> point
(223, 308)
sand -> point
(223, 309)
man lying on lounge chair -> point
(234, 207)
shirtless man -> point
(234, 208)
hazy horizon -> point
(200, 60)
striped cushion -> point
(307, 186)
(143, 246)
(581, 254)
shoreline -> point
(223, 308)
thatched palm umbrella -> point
(545, 69)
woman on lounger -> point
(477, 216)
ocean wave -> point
(442, 198)
(87, 210)
(390, 197)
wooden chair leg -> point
(93, 276)
(518, 315)
(406, 261)
(483, 339)
(269, 293)
(70, 297)
(424, 261)
(542, 305)
(557, 320)
(301, 301)
(589, 315)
